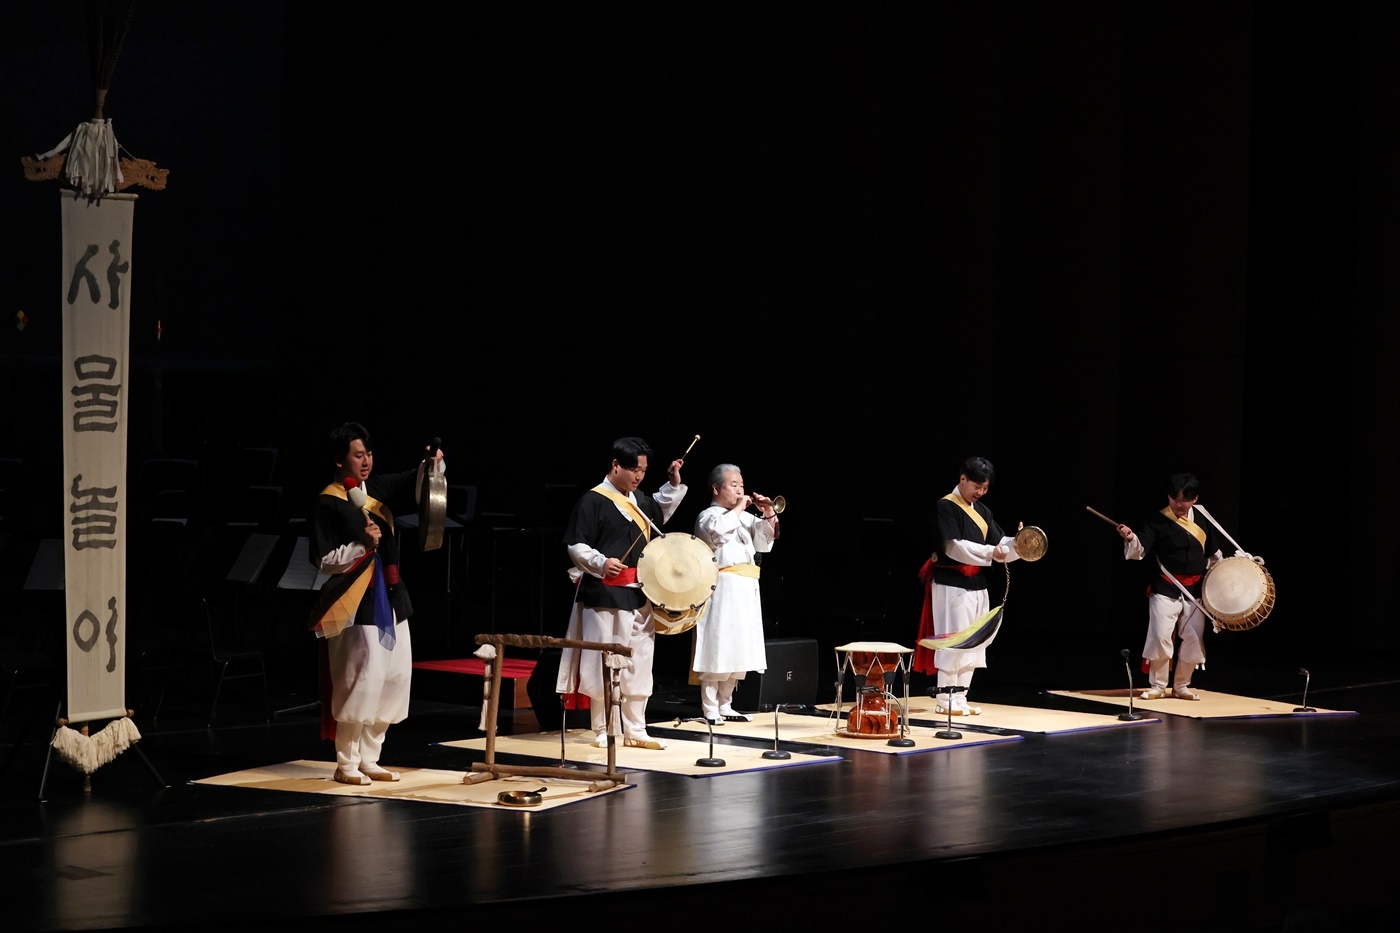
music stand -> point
(948, 733)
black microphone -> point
(1129, 716)
(1307, 679)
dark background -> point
(848, 245)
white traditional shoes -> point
(1181, 693)
(353, 778)
(376, 773)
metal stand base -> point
(775, 753)
(947, 732)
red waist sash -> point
(625, 577)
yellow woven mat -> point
(822, 731)
(1014, 718)
(1211, 705)
(427, 784)
(679, 757)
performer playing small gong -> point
(362, 610)
(1185, 550)
(972, 541)
(729, 635)
(605, 534)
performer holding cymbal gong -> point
(957, 599)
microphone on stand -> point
(947, 691)
(1305, 708)
(1129, 716)
(712, 761)
(775, 753)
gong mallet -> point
(1102, 516)
(712, 761)
(1129, 716)
(1307, 679)
(775, 753)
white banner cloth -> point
(96, 326)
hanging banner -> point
(96, 328)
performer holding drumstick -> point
(1184, 551)
(609, 606)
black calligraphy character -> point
(86, 643)
(96, 404)
(112, 636)
(81, 273)
(91, 530)
(115, 269)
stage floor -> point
(1268, 822)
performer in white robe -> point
(607, 532)
(729, 635)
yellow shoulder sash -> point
(967, 507)
(371, 504)
(1194, 530)
(629, 505)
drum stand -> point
(1129, 716)
(951, 689)
(1307, 679)
(712, 761)
(903, 741)
(777, 754)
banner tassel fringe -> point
(88, 753)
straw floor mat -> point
(425, 784)
(1211, 705)
(679, 757)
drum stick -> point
(623, 558)
(1102, 516)
(687, 450)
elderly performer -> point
(1184, 551)
(729, 634)
(605, 534)
(362, 610)
(972, 541)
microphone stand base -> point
(776, 755)
(947, 734)
(901, 743)
(710, 762)
(1129, 717)
(1304, 709)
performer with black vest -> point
(957, 595)
(606, 532)
(362, 611)
(1184, 551)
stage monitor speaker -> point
(791, 678)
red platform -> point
(514, 673)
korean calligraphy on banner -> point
(96, 328)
